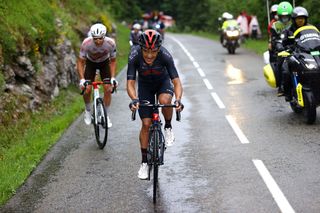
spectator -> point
(254, 28)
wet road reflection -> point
(234, 74)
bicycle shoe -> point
(169, 136)
(143, 171)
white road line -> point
(201, 73)
(243, 139)
(273, 187)
(190, 57)
(217, 100)
(195, 64)
(207, 83)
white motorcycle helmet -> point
(98, 30)
(136, 26)
(227, 16)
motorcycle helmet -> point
(300, 16)
(136, 26)
(98, 30)
(273, 11)
(227, 16)
(284, 11)
(150, 39)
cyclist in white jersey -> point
(97, 52)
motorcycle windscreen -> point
(308, 40)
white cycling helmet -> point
(98, 30)
(136, 26)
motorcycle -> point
(231, 39)
(304, 66)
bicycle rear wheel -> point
(100, 123)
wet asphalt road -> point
(239, 148)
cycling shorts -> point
(91, 67)
(147, 91)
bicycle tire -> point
(156, 140)
(100, 123)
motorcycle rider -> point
(228, 22)
(284, 12)
(273, 16)
(299, 19)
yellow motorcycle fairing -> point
(269, 76)
(300, 96)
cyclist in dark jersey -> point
(157, 75)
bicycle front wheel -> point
(156, 162)
(100, 123)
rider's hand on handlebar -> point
(134, 104)
(114, 82)
(179, 105)
(82, 83)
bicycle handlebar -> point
(114, 89)
(178, 114)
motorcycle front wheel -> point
(309, 111)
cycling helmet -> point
(300, 11)
(136, 26)
(150, 39)
(284, 9)
(98, 30)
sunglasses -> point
(148, 50)
(98, 38)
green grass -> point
(29, 147)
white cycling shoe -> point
(143, 171)
(87, 117)
(169, 136)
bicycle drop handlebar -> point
(114, 89)
(156, 106)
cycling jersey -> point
(89, 50)
(152, 79)
(162, 68)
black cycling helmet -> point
(150, 39)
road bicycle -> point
(99, 113)
(156, 143)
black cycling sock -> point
(144, 155)
(168, 124)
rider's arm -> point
(177, 88)
(80, 67)
(131, 89)
(112, 66)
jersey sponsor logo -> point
(151, 72)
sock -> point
(88, 107)
(144, 155)
(107, 109)
(168, 124)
